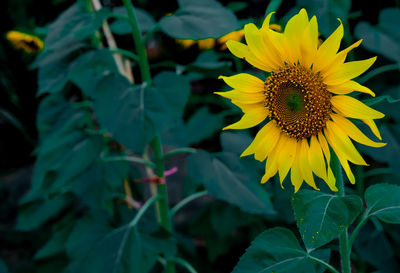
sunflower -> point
(27, 42)
(304, 98)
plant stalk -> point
(344, 246)
(139, 44)
(163, 214)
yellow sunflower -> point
(304, 100)
(27, 42)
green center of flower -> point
(298, 101)
(295, 101)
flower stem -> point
(163, 212)
(137, 37)
(328, 266)
(343, 236)
(188, 199)
(163, 215)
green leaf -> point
(144, 110)
(56, 244)
(209, 60)
(91, 67)
(96, 248)
(97, 186)
(235, 142)
(237, 6)
(374, 247)
(383, 201)
(65, 37)
(207, 121)
(389, 153)
(277, 250)
(327, 12)
(34, 214)
(383, 38)
(86, 232)
(120, 26)
(379, 99)
(227, 177)
(199, 20)
(320, 217)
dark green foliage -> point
(197, 20)
(383, 38)
(277, 250)
(94, 129)
(141, 109)
(120, 26)
(321, 217)
(224, 176)
(383, 201)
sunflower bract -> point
(304, 101)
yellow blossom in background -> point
(235, 36)
(275, 27)
(206, 43)
(27, 42)
(304, 101)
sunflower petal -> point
(305, 168)
(250, 119)
(348, 71)
(243, 97)
(316, 159)
(341, 144)
(325, 148)
(271, 167)
(371, 124)
(347, 169)
(293, 34)
(309, 43)
(339, 59)
(242, 51)
(353, 132)
(353, 108)
(349, 87)
(256, 46)
(286, 157)
(295, 174)
(244, 82)
(264, 142)
(327, 51)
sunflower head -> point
(304, 100)
(29, 43)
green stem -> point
(185, 264)
(328, 266)
(162, 208)
(125, 53)
(379, 171)
(143, 209)
(130, 159)
(179, 151)
(378, 71)
(343, 235)
(187, 200)
(363, 220)
(137, 37)
(163, 213)
(150, 32)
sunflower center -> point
(298, 101)
(294, 101)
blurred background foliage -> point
(69, 122)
